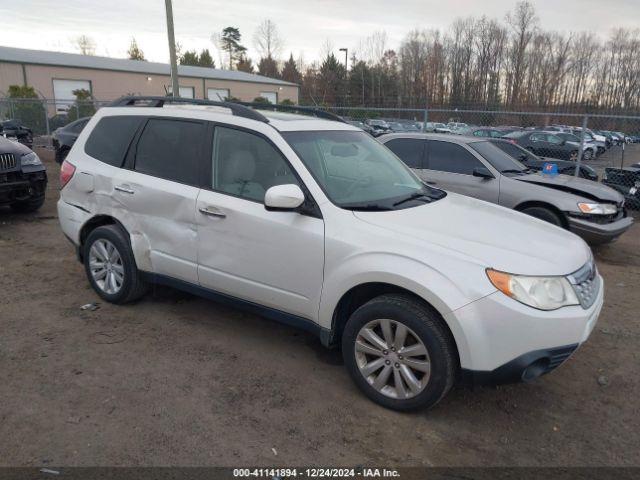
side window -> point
(480, 133)
(449, 157)
(246, 165)
(554, 139)
(538, 137)
(171, 149)
(110, 138)
(409, 150)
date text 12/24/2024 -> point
(316, 472)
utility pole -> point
(175, 86)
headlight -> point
(597, 208)
(544, 293)
(30, 159)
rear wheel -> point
(587, 154)
(399, 352)
(544, 214)
(111, 267)
(573, 156)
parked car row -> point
(414, 282)
(14, 130)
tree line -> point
(476, 62)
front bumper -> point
(18, 186)
(596, 233)
(499, 338)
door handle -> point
(124, 189)
(212, 212)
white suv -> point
(313, 223)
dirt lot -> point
(177, 380)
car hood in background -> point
(9, 146)
(574, 185)
(487, 234)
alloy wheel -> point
(105, 264)
(392, 358)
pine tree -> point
(268, 67)
(290, 72)
(245, 64)
(135, 52)
(206, 60)
(230, 43)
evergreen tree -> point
(135, 52)
(290, 72)
(268, 67)
(245, 64)
(206, 60)
(230, 43)
(190, 57)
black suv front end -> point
(23, 177)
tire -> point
(132, 286)
(545, 214)
(423, 324)
(573, 156)
(28, 206)
(587, 154)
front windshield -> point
(355, 171)
(498, 158)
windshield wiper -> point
(365, 207)
(414, 196)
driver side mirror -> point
(283, 197)
(482, 172)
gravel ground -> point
(178, 380)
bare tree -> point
(85, 45)
(523, 23)
(267, 40)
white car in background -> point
(311, 222)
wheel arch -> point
(541, 204)
(360, 294)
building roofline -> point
(92, 62)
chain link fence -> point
(599, 147)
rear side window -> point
(450, 157)
(409, 150)
(171, 149)
(110, 138)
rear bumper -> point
(595, 233)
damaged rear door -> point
(158, 191)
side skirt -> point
(267, 312)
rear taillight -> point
(510, 140)
(66, 172)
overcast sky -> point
(305, 25)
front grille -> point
(7, 161)
(586, 284)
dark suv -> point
(544, 144)
(23, 178)
(64, 137)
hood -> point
(574, 185)
(487, 234)
(9, 146)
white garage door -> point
(271, 96)
(218, 94)
(63, 92)
(185, 92)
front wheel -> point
(544, 214)
(399, 352)
(587, 155)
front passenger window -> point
(246, 165)
(452, 158)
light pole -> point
(175, 88)
(346, 53)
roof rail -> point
(237, 109)
(316, 112)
